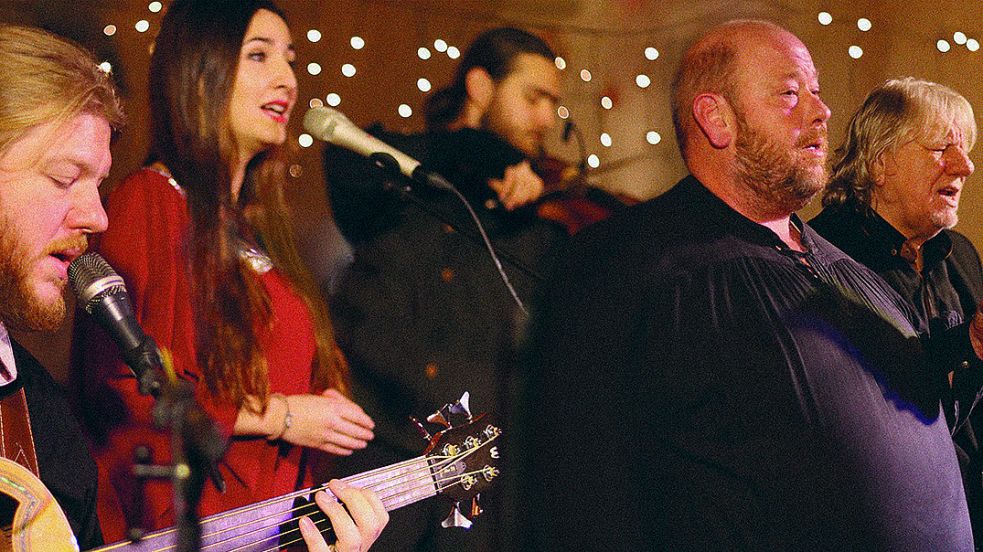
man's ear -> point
(882, 167)
(715, 118)
(480, 88)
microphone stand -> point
(573, 127)
(196, 444)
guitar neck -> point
(259, 527)
(459, 463)
(400, 484)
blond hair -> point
(48, 79)
(894, 113)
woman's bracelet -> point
(287, 419)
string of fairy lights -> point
(603, 101)
(865, 25)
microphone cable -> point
(388, 162)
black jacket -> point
(944, 295)
(423, 315)
(67, 468)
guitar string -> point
(329, 529)
(276, 517)
(428, 477)
(425, 471)
(278, 536)
(282, 498)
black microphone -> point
(567, 129)
(102, 293)
(333, 127)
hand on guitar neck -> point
(356, 529)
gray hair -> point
(894, 113)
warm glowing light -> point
(315, 102)
(606, 139)
(142, 26)
(404, 110)
(643, 81)
(314, 68)
(562, 112)
(305, 140)
(855, 52)
(585, 75)
(155, 7)
(561, 63)
(109, 30)
(972, 45)
(334, 100)
(825, 18)
(357, 42)
(594, 161)
(106, 67)
(943, 45)
(959, 37)
(423, 85)
(651, 54)
(453, 52)
(424, 53)
(606, 102)
(653, 137)
(864, 24)
(314, 35)
(440, 45)
(348, 70)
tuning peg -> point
(421, 430)
(456, 518)
(462, 406)
(475, 507)
(441, 417)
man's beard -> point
(782, 184)
(944, 220)
(495, 121)
(20, 307)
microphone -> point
(333, 127)
(567, 129)
(102, 293)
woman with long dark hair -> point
(204, 240)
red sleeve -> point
(145, 243)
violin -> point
(569, 199)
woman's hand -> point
(355, 529)
(330, 422)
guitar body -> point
(31, 519)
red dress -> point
(145, 243)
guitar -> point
(459, 463)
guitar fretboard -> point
(255, 528)
(400, 484)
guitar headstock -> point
(463, 459)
